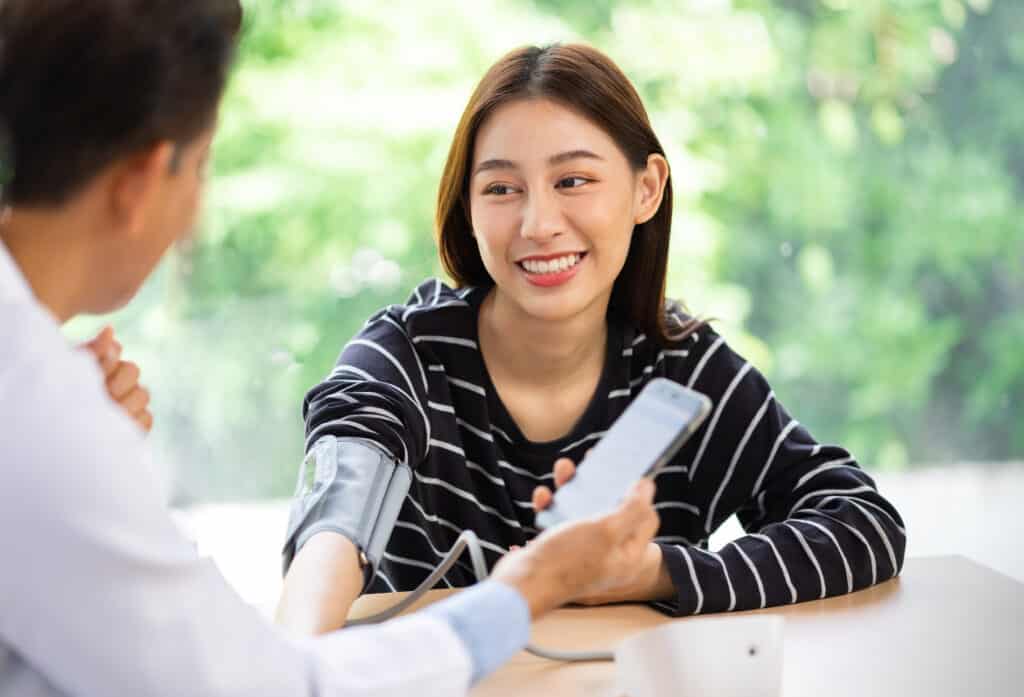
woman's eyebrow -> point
(573, 155)
(493, 164)
(558, 159)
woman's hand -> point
(649, 579)
(583, 558)
(121, 377)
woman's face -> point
(553, 203)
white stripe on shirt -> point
(753, 570)
(474, 466)
(474, 430)
(881, 533)
(704, 361)
(454, 340)
(688, 507)
(771, 456)
(445, 445)
(466, 385)
(735, 459)
(810, 555)
(590, 436)
(693, 577)
(856, 533)
(434, 481)
(827, 492)
(718, 414)
(412, 394)
(525, 473)
(830, 465)
(782, 564)
(839, 548)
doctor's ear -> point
(136, 181)
(650, 188)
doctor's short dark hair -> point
(85, 82)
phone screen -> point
(646, 436)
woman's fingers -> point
(564, 471)
(541, 498)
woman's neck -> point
(541, 353)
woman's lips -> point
(549, 278)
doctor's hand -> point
(121, 377)
(650, 580)
(583, 558)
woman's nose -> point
(543, 218)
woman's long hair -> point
(588, 82)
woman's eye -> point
(571, 182)
(498, 189)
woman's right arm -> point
(324, 580)
(373, 406)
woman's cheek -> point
(492, 254)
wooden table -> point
(947, 626)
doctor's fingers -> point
(135, 402)
(106, 349)
(123, 379)
(636, 516)
(145, 420)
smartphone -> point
(640, 442)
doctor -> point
(108, 109)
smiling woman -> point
(554, 214)
(599, 137)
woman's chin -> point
(556, 307)
(563, 302)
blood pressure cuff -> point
(350, 486)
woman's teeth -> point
(551, 265)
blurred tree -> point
(848, 175)
(876, 221)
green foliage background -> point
(848, 174)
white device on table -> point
(719, 656)
(640, 442)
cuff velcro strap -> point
(349, 486)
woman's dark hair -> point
(588, 82)
(84, 82)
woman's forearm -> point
(322, 583)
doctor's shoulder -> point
(55, 416)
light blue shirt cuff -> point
(491, 619)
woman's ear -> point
(651, 181)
